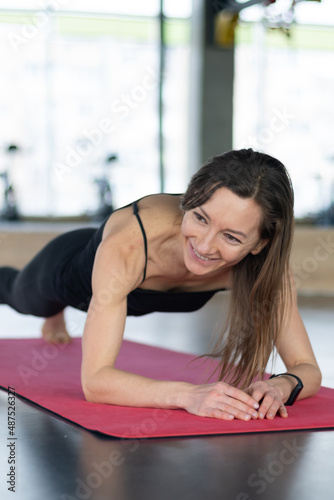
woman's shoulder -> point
(164, 202)
(123, 243)
(156, 211)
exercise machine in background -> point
(9, 210)
(105, 205)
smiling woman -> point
(256, 199)
(255, 204)
(232, 229)
(219, 237)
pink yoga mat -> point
(49, 376)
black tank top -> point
(139, 301)
(142, 302)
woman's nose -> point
(206, 244)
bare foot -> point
(54, 330)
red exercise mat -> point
(49, 376)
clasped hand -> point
(269, 397)
(221, 400)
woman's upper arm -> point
(117, 271)
(294, 345)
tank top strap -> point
(136, 213)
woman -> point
(232, 229)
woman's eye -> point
(232, 238)
(199, 217)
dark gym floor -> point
(60, 461)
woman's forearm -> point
(112, 386)
(219, 400)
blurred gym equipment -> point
(9, 209)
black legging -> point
(58, 276)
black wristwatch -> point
(294, 394)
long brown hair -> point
(261, 292)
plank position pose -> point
(231, 229)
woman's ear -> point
(260, 246)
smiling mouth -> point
(205, 259)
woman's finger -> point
(266, 404)
(239, 395)
(257, 393)
(283, 411)
(222, 415)
(270, 407)
(237, 410)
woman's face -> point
(221, 232)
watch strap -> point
(295, 392)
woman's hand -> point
(221, 400)
(270, 398)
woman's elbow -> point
(90, 390)
(98, 387)
(319, 378)
(315, 382)
(88, 393)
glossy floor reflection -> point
(59, 461)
